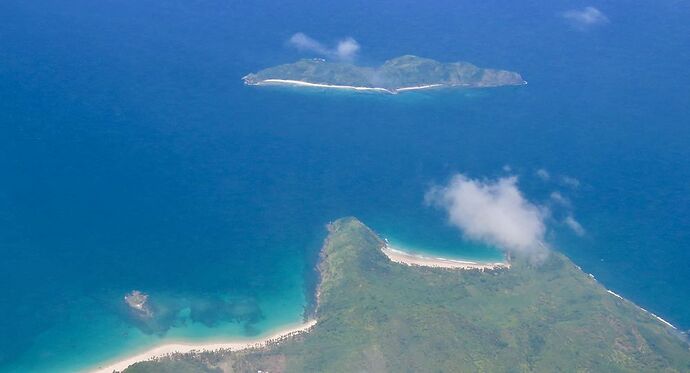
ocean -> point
(133, 157)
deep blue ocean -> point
(133, 157)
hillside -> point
(378, 316)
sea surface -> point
(133, 157)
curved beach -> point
(181, 347)
(402, 257)
(333, 86)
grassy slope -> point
(379, 316)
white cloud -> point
(570, 181)
(494, 212)
(345, 50)
(574, 225)
(560, 199)
(585, 18)
(543, 174)
(303, 42)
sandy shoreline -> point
(349, 87)
(181, 347)
(419, 87)
(409, 259)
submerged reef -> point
(137, 301)
(157, 314)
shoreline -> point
(650, 313)
(168, 349)
(334, 86)
(289, 82)
(409, 259)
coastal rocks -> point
(138, 302)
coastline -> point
(658, 318)
(409, 259)
(650, 313)
(333, 86)
(182, 347)
(289, 82)
(318, 85)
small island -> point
(399, 74)
(138, 301)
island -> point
(138, 302)
(399, 74)
(372, 314)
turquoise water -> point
(132, 157)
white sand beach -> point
(181, 347)
(317, 85)
(409, 259)
(350, 87)
(419, 87)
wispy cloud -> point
(570, 182)
(345, 50)
(494, 212)
(543, 174)
(304, 43)
(583, 19)
(559, 199)
(574, 225)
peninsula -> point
(375, 315)
(400, 74)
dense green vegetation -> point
(400, 72)
(378, 316)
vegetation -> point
(378, 316)
(400, 72)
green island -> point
(396, 75)
(374, 315)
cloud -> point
(585, 18)
(570, 181)
(345, 50)
(574, 225)
(558, 198)
(494, 212)
(303, 42)
(543, 174)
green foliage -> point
(173, 365)
(379, 316)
